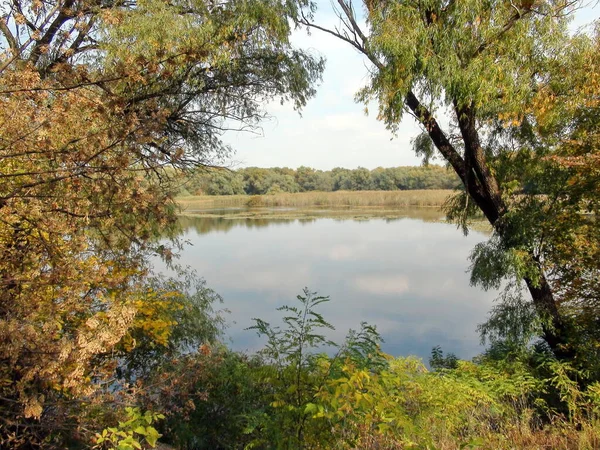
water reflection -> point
(224, 219)
(405, 275)
(205, 225)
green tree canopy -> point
(495, 68)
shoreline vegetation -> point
(422, 198)
(292, 395)
(276, 180)
(423, 204)
(109, 109)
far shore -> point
(434, 198)
(424, 205)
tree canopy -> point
(99, 100)
(255, 180)
(522, 98)
(103, 102)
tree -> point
(487, 64)
(555, 165)
(562, 223)
(383, 179)
(313, 180)
(99, 101)
(224, 182)
(361, 179)
(305, 178)
(255, 180)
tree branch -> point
(12, 42)
(75, 46)
(505, 29)
(422, 114)
(51, 32)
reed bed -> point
(337, 199)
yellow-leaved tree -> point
(99, 101)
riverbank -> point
(433, 198)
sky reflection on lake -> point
(406, 276)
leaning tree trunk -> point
(483, 187)
(480, 184)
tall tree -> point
(485, 64)
(98, 101)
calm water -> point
(407, 276)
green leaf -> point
(152, 436)
(125, 446)
(310, 408)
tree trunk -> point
(482, 186)
(486, 193)
(554, 327)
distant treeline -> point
(257, 181)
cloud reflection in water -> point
(406, 276)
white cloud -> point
(333, 131)
(345, 252)
(382, 284)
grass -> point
(357, 205)
(337, 199)
(206, 222)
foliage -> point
(557, 229)
(209, 397)
(132, 433)
(357, 397)
(98, 103)
(175, 317)
(569, 233)
(438, 361)
(259, 181)
(368, 202)
(215, 182)
(512, 321)
(520, 94)
(296, 372)
(292, 370)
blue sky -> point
(333, 130)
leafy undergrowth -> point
(303, 391)
(290, 396)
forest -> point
(258, 181)
(107, 105)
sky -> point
(333, 130)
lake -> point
(406, 275)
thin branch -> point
(12, 42)
(75, 46)
(64, 88)
(505, 29)
(347, 8)
(29, 24)
(305, 21)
